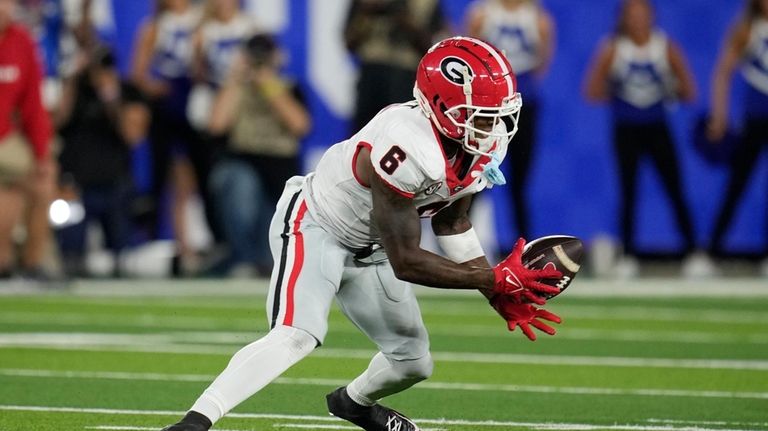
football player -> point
(351, 231)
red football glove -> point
(512, 278)
(522, 315)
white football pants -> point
(311, 269)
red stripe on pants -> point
(298, 262)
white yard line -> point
(612, 312)
(189, 324)
(671, 287)
(190, 349)
(333, 427)
(439, 422)
(588, 427)
(195, 325)
(164, 343)
(133, 428)
(693, 422)
(316, 426)
(148, 288)
(582, 287)
(136, 321)
(440, 386)
(664, 314)
(621, 312)
(660, 336)
(237, 337)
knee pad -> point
(414, 369)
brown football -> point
(562, 252)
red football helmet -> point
(461, 79)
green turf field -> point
(135, 355)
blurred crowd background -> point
(167, 128)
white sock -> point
(253, 367)
(386, 377)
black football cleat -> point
(374, 418)
(193, 421)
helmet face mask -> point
(468, 90)
(502, 120)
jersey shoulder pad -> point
(407, 156)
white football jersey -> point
(406, 153)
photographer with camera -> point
(265, 119)
(102, 119)
(388, 38)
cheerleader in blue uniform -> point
(639, 70)
(162, 70)
(746, 48)
(224, 29)
(524, 31)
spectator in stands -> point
(46, 19)
(162, 70)
(524, 31)
(388, 37)
(27, 170)
(746, 47)
(103, 118)
(63, 30)
(639, 70)
(264, 116)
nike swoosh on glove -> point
(514, 279)
(523, 315)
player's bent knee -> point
(415, 369)
(292, 343)
(300, 342)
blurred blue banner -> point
(574, 184)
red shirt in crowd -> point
(21, 105)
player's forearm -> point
(455, 236)
(481, 262)
(428, 269)
(416, 265)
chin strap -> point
(467, 87)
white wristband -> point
(461, 247)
